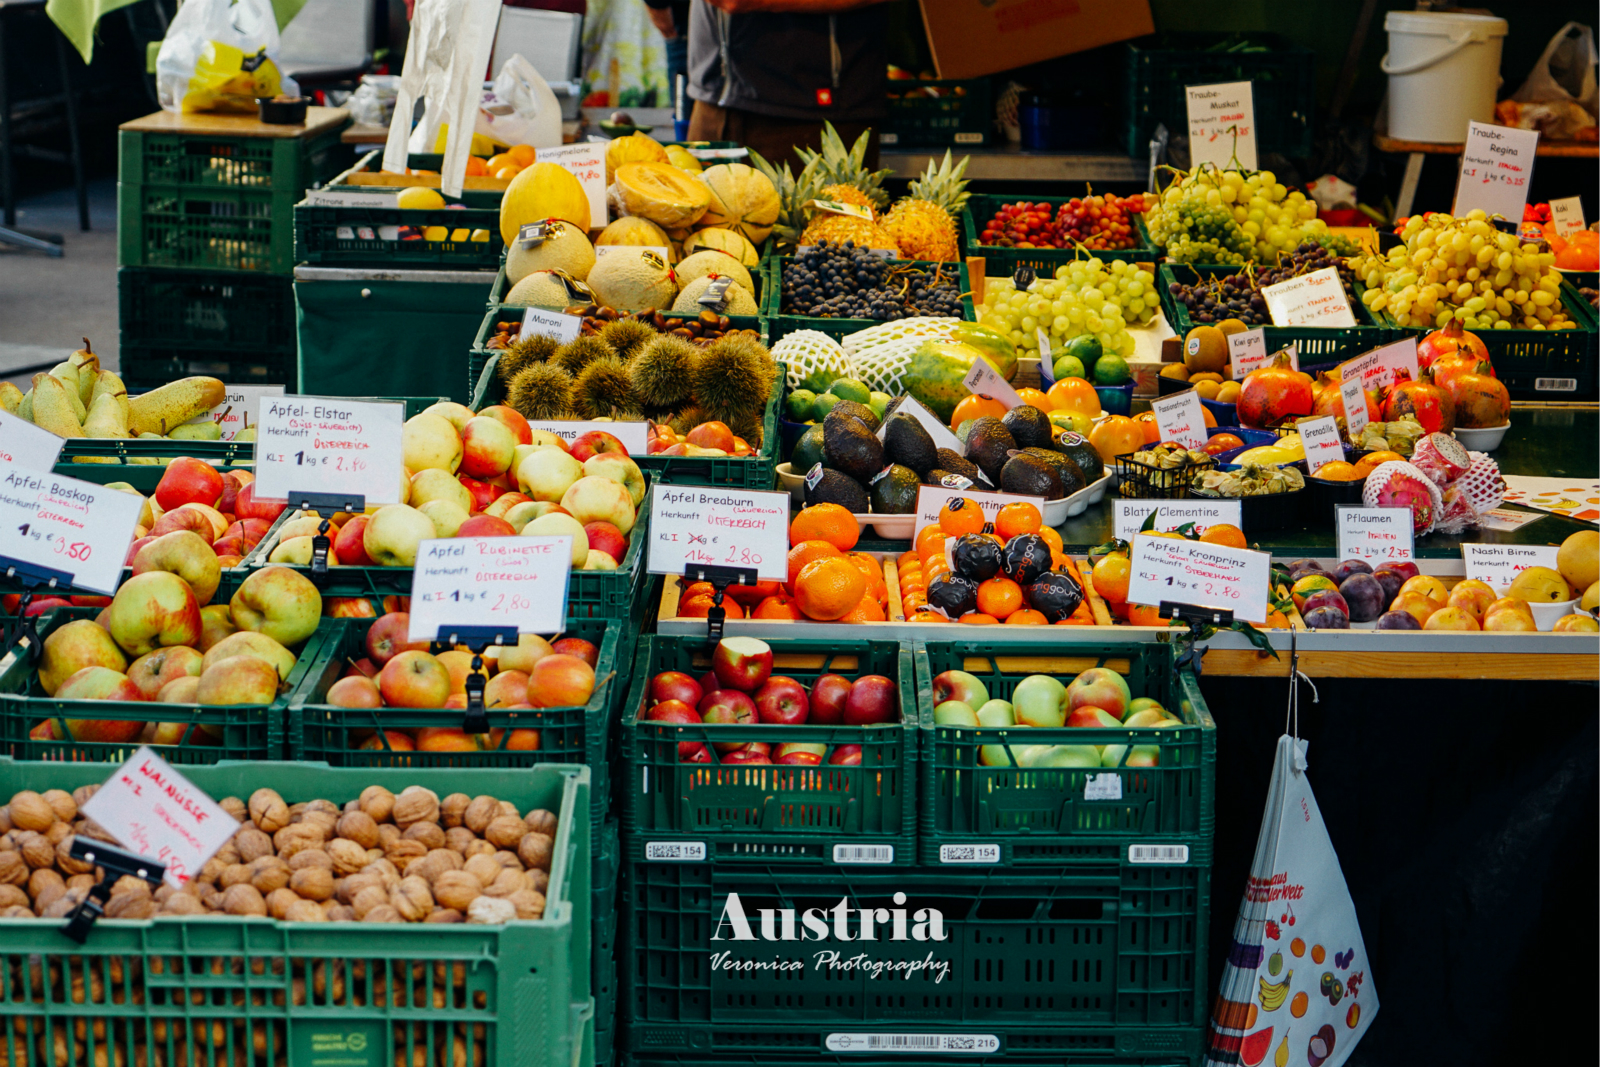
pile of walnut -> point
(381, 858)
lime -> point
(800, 404)
(824, 404)
(1111, 370)
(1067, 367)
(1086, 347)
(850, 389)
(879, 403)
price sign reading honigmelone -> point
(321, 444)
(1315, 299)
(1205, 575)
(491, 581)
(1180, 418)
(157, 812)
(1376, 535)
(587, 162)
(22, 444)
(234, 413)
(704, 526)
(67, 525)
(931, 498)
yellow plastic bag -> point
(219, 55)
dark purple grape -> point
(1365, 596)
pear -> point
(146, 516)
(25, 406)
(106, 418)
(197, 431)
(10, 397)
(52, 406)
(88, 365)
(107, 382)
(67, 375)
(151, 460)
(246, 434)
(165, 409)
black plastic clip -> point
(720, 578)
(325, 504)
(33, 578)
(1022, 277)
(478, 638)
(117, 863)
(1195, 617)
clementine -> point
(825, 522)
(827, 588)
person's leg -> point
(707, 122)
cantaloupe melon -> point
(718, 239)
(632, 230)
(712, 262)
(738, 299)
(742, 199)
(659, 192)
(634, 148)
(542, 288)
(542, 191)
(632, 280)
(566, 248)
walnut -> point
(341, 913)
(268, 810)
(58, 832)
(444, 915)
(457, 838)
(279, 901)
(377, 802)
(383, 913)
(229, 854)
(534, 850)
(477, 848)
(386, 870)
(323, 807)
(305, 911)
(183, 904)
(369, 897)
(359, 827)
(81, 795)
(450, 859)
(232, 805)
(412, 899)
(298, 838)
(17, 911)
(66, 905)
(402, 852)
(483, 868)
(130, 884)
(61, 802)
(480, 813)
(506, 883)
(82, 880)
(235, 873)
(15, 895)
(46, 882)
(541, 821)
(322, 820)
(296, 810)
(30, 811)
(211, 871)
(243, 899)
(130, 906)
(428, 833)
(311, 857)
(538, 880)
(509, 810)
(209, 895)
(456, 889)
(415, 804)
(347, 856)
(269, 873)
(505, 832)
(528, 902)
(509, 860)
(37, 850)
(489, 911)
(13, 868)
(91, 829)
(313, 883)
(452, 808)
(252, 844)
(6, 825)
(388, 834)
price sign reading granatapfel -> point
(1382, 365)
(704, 526)
(490, 581)
(62, 524)
(1200, 574)
(318, 444)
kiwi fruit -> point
(541, 391)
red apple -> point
(414, 679)
(354, 692)
(188, 481)
(246, 506)
(185, 519)
(364, 667)
(483, 494)
(783, 701)
(486, 526)
(99, 683)
(801, 752)
(596, 442)
(559, 681)
(708, 684)
(505, 502)
(846, 756)
(828, 696)
(604, 537)
(133, 549)
(46, 603)
(541, 438)
(487, 447)
(389, 636)
(1099, 687)
(519, 741)
(348, 545)
(90, 601)
(746, 756)
(155, 669)
(959, 685)
(239, 538)
(675, 685)
(1092, 718)
(505, 689)
(712, 435)
(701, 754)
(679, 712)
(513, 421)
(231, 485)
(577, 646)
(873, 699)
(743, 663)
(727, 707)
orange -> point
(1026, 617)
(1147, 423)
(828, 588)
(1224, 533)
(912, 601)
(781, 606)
(1111, 575)
(1051, 538)
(936, 566)
(872, 571)
(1018, 518)
(866, 610)
(1339, 471)
(999, 596)
(507, 172)
(960, 516)
(975, 407)
(695, 589)
(1145, 615)
(1372, 459)
(905, 559)
(1074, 395)
(523, 155)
(698, 606)
(1276, 620)
(476, 168)
(926, 614)
(1298, 1006)
(502, 159)
(1037, 399)
(1116, 436)
(978, 618)
(930, 535)
(1211, 420)
(826, 522)
(805, 552)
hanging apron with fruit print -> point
(1296, 988)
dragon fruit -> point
(1398, 484)
(1456, 512)
(1442, 458)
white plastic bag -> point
(221, 55)
(1565, 72)
(446, 56)
(520, 108)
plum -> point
(1349, 567)
(1398, 620)
(1326, 598)
(1302, 567)
(1365, 596)
(1408, 570)
(1327, 617)
(1391, 580)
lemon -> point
(419, 198)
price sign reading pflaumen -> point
(1321, 440)
(238, 411)
(491, 581)
(1376, 535)
(22, 444)
(587, 162)
(1355, 408)
(1499, 565)
(557, 324)
(1315, 299)
(984, 380)
(157, 812)
(1129, 515)
(1496, 166)
(704, 526)
(931, 498)
(1246, 352)
(1205, 575)
(634, 435)
(319, 444)
(1180, 418)
(1217, 114)
(67, 525)
(1379, 367)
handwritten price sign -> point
(932, 498)
(587, 162)
(1205, 575)
(235, 412)
(314, 444)
(1315, 299)
(1376, 535)
(490, 581)
(1129, 515)
(1180, 418)
(22, 444)
(1499, 565)
(703, 526)
(67, 525)
(1218, 113)
(1496, 164)
(1378, 367)
(157, 812)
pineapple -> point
(923, 224)
(793, 196)
(835, 166)
(841, 228)
(846, 194)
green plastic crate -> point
(514, 994)
(1283, 77)
(975, 814)
(844, 1059)
(214, 161)
(1085, 961)
(761, 814)
(607, 875)
(962, 119)
(244, 731)
(144, 367)
(779, 324)
(217, 315)
(327, 236)
(1002, 262)
(219, 228)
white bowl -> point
(794, 483)
(1545, 616)
(1481, 440)
(890, 527)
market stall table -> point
(1416, 150)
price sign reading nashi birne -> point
(490, 581)
(932, 498)
(1246, 352)
(67, 525)
(1499, 565)
(1129, 515)
(1496, 166)
(1375, 535)
(1379, 367)
(321, 444)
(587, 162)
(1222, 125)
(1320, 437)
(1205, 575)
(557, 324)
(634, 434)
(705, 526)
(153, 810)
(1315, 299)
(1566, 215)
(1180, 418)
(22, 444)
(237, 409)
(984, 380)
(1354, 399)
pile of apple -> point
(399, 673)
(1097, 699)
(741, 690)
(707, 439)
(487, 474)
(218, 507)
(161, 640)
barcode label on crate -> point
(969, 853)
(969, 138)
(1555, 385)
(977, 1044)
(675, 851)
(1105, 786)
(1158, 853)
(863, 853)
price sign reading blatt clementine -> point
(490, 581)
(333, 445)
(704, 526)
(1180, 418)
(157, 812)
(62, 524)
(1205, 575)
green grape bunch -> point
(1232, 214)
(1086, 296)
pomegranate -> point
(1274, 394)
(1452, 338)
(1480, 399)
(1331, 402)
(1430, 404)
(1448, 368)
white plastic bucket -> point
(1444, 70)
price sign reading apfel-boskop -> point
(22, 444)
(66, 525)
(490, 581)
(704, 526)
(157, 812)
(1201, 574)
(318, 444)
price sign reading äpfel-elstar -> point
(490, 581)
(704, 526)
(318, 444)
(1201, 574)
(67, 525)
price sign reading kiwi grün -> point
(329, 445)
(704, 526)
(71, 528)
(1246, 352)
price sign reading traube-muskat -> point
(490, 581)
(319, 444)
(66, 525)
(1205, 575)
(704, 526)
(157, 812)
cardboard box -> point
(971, 38)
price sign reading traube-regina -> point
(329, 445)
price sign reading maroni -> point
(67, 525)
(1205, 575)
(319, 444)
(491, 581)
(704, 526)
(157, 812)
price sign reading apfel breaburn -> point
(703, 526)
(157, 812)
(66, 525)
(1201, 574)
(490, 581)
(316, 444)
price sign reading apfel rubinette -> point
(703, 526)
(316, 444)
(490, 581)
(67, 525)
(1201, 574)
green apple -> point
(1040, 700)
(996, 713)
(954, 713)
(1069, 756)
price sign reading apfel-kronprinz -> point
(67, 525)
(703, 526)
(1205, 575)
(490, 581)
(319, 444)
(157, 812)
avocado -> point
(1070, 474)
(893, 490)
(988, 445)
(836, 487)
(847, 445)
(905, 442)
(1077, 447)
(807, 450)
(954, 464)
(860, 411)
(1028, 425)
(1028, 475)
(947, 479)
